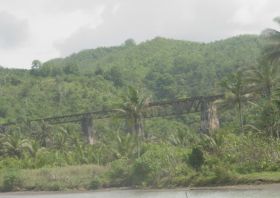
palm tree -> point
(60, 139)
(42, 132)
(133, 107)
(124, 147)
(276, 96)
(263, 78)
(275, 115)
(14, 144)
(238, 93)
(34, 148)
(271, 50)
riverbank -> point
(93, 177)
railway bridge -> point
(204, 104)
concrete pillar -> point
(208, 117)
(88, 129)
(3, 129)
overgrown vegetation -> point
(134, 152)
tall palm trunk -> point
(240, 115)
(139, 132)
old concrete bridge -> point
(204, 104)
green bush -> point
(142, 168)
(11, 181)
(54, 186)
(95, 183)
(183, 175)
(196, 159)
(157, 166)
(10, 162)
(120, 172)
(50, 158)
(223, 176)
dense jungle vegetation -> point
(172, 152)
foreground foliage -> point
(222, 159)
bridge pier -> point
(88, 129)
(3, 129)
(208, 117)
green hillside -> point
(94, 79)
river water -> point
(241, 193)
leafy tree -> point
(35, 67)
(116, 76)
(129, 43)
(71, 68)
(36, 64)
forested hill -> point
(94, 79)
(188, 68)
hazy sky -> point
(45, 29)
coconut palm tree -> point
(273, 121)
(14, 144)
(133, 107)
(238, 93)
(276, 96)
(271, 37)
(263, 77)
(42, 132)
(124, 147)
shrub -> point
(156, 166)
(95, 183)
(196, 159)
(223, 176)
(10, 162)
(119, 174)
(54, 186)
(11, 181)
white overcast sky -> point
(45, 29)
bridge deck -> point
(153, 109)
